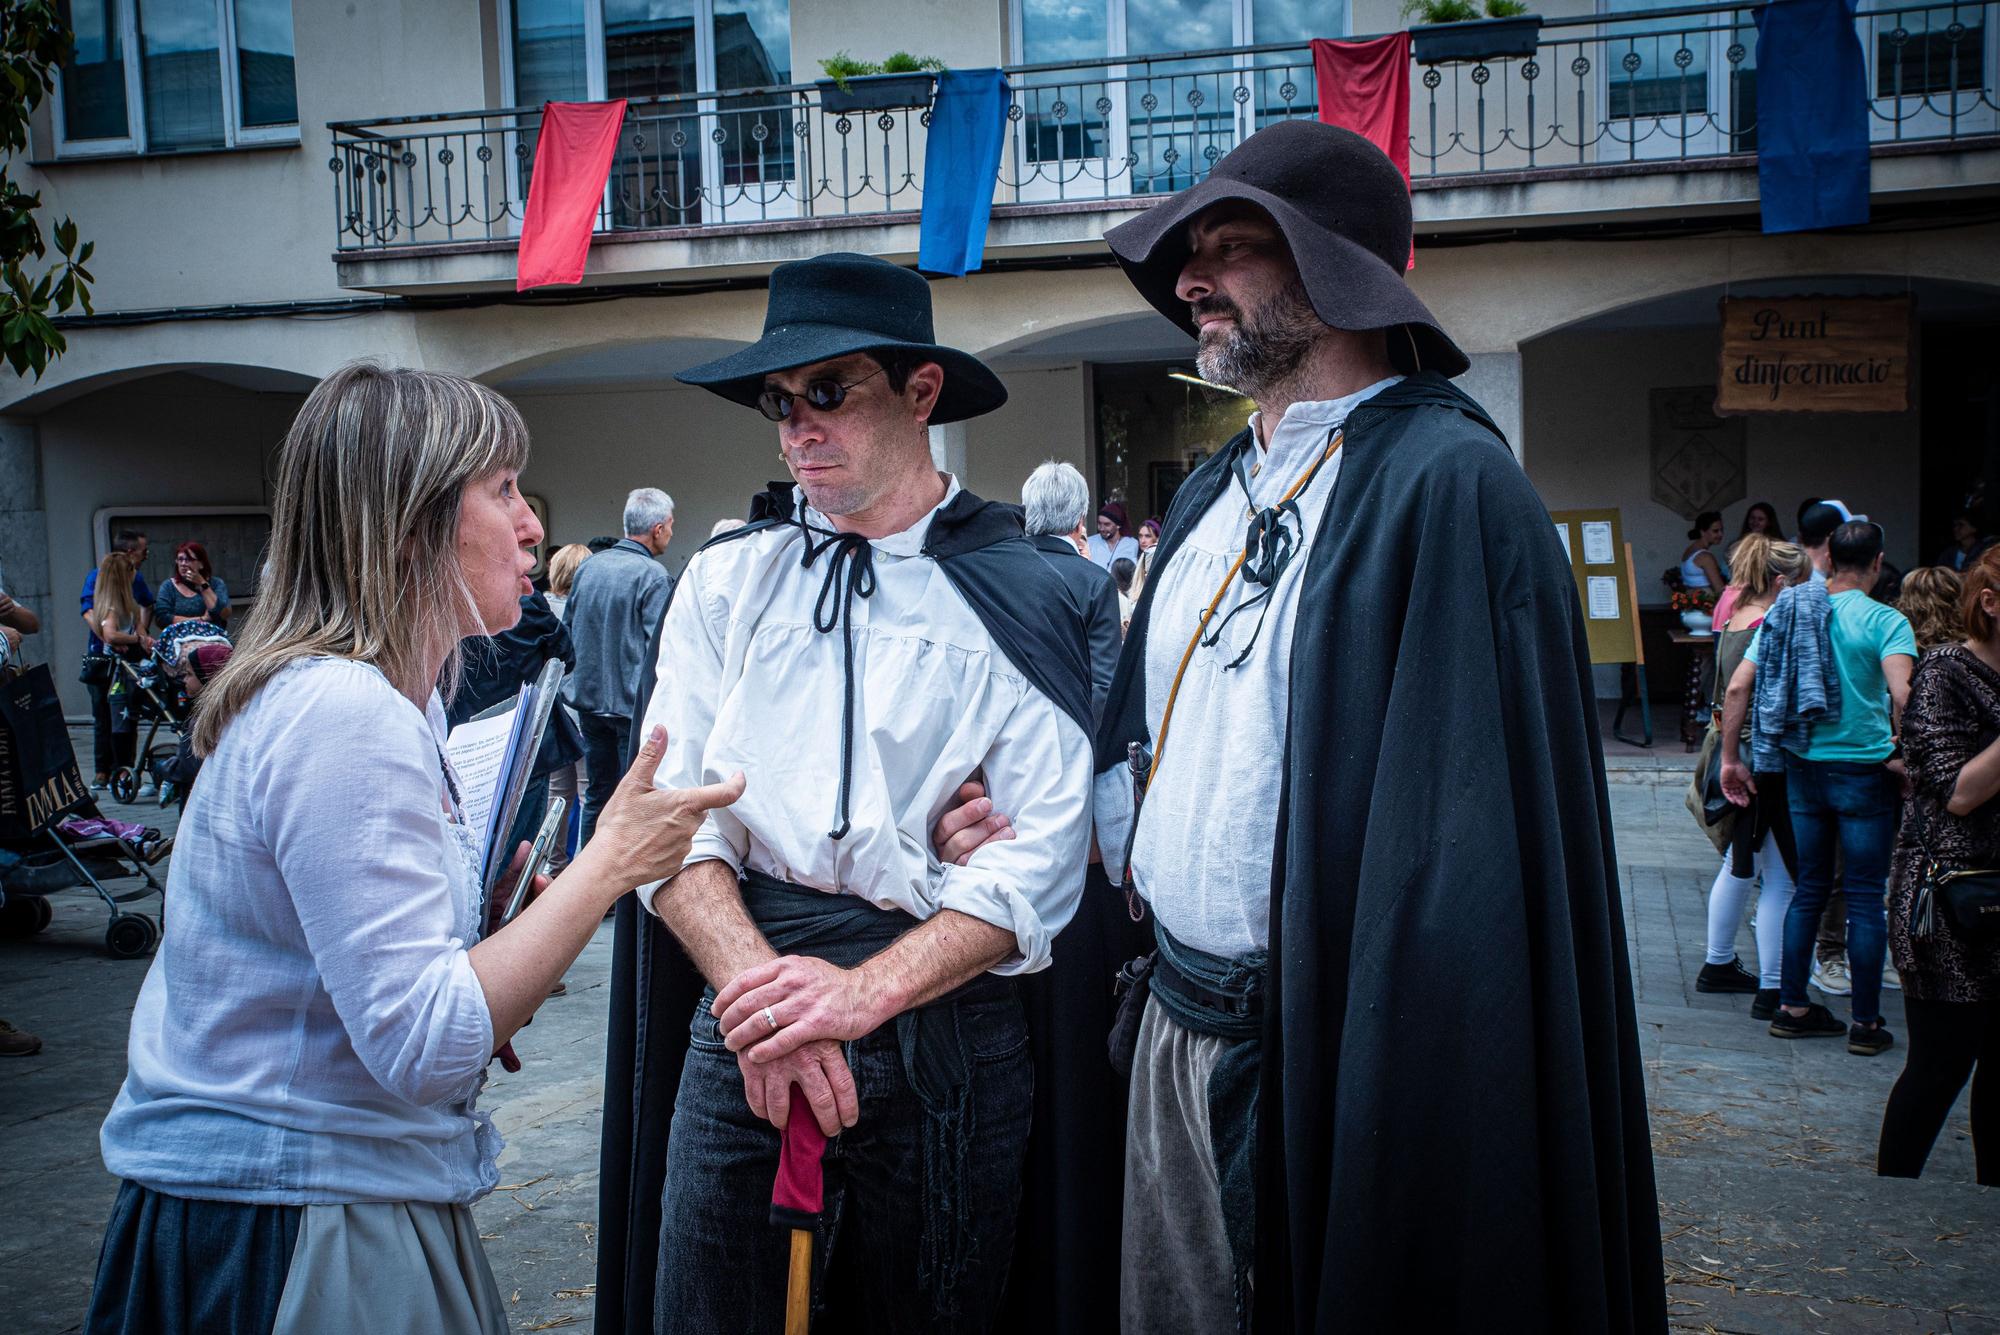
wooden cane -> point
(798, 1293)
(797, 1197)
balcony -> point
(1650, 112)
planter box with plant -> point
(902, 80)
(1447, 30)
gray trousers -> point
(1175, 1272)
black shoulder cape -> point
(1452, 1108)
(1076, 1152)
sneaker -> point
(1764, 1006)
(14, 1043)
(99, 785)
(1869, 1041)
(1817, 1022)
(1830, 976)
(1891, 980)
(1730, 977)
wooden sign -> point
(1815, 355)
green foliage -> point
(1441, 11)
(840, 66)
(33, 44)
(902, 62)
(1505, 9)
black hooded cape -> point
(1066, 1249)
(1452, 1112)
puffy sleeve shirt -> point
(747, 683)
(311, 1031)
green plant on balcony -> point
(1440, 11)
(840, 66)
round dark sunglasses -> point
(825, 395)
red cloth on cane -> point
(572, 162)
(1365, 87)
(800, 1184)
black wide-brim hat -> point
(835, 305)
(1344, 210)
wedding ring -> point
(770, 1019)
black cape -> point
(1452, 1108)
(1066, 1251)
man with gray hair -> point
(1056, 500)
(619, 597)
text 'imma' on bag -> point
(39, 780)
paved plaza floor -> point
(1773, 1218)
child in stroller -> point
(156, 692)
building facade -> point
(277, 189)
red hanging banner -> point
(1365, 87)
(572, 163)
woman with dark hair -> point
(1699, 567)
(195, 593)
(1968, 540)
(1951, 984)
(1149, 539)
(1113, 538)
(1761, 518)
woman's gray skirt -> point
(172, 1266)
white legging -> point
(1725, 911)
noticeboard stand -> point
(1632, 676)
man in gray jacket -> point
(617, 602)
(1056, 500)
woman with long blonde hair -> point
(117, 630)
(298, 1133)
(1759, 844)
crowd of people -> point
(1853, 746)
(1097, 1034)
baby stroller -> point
(156, 698)
(51, 833)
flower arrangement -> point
(1692, 600)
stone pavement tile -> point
(1717, 1308)
(1828, 1234)
(46, 1147)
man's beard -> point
(1262, 350)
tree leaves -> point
(33, 45)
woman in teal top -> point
(195, 593)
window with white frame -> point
(175, 75)
(1167, 119)
(683, 163)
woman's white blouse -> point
(311, 1030)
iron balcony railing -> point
(1663, 87)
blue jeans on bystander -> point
(1851, 808)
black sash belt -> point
(845, 930)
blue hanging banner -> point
(1812, 116)
(961, 163)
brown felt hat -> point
(1344, 210)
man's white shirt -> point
(745, 682)
(1202, 853)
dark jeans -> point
(110, 750)
(722, 1264)
(1947, 1041)
(606, 742)
(1849, 809)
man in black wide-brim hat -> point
(1388, 1064)
(871, 639)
